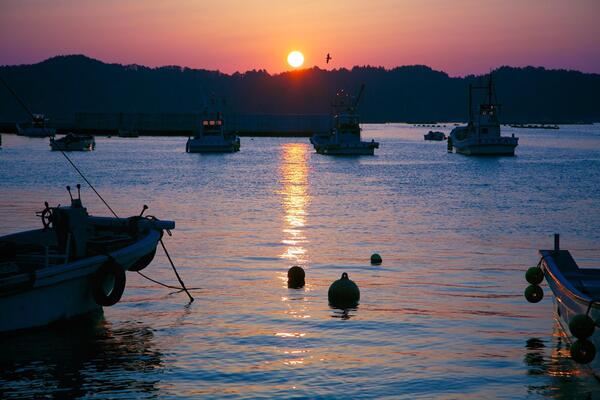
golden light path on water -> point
(295, 198)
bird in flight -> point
(328, 58)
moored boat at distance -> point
(482, 135)
(36, 128)
(576, 301)
(213, 138)
(74, 265)
(344, 138)
(73, 142)
(435, 135)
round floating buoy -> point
(534, 293)
(296, 277)
(534, 275)
(108, 283)
(343, 293)
(376, 259)
(582, 326)
(583, 351)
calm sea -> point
(443, 316)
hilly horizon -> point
(64, 85)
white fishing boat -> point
(74, 265)
(36, 128)
(344, 138)
(435, 135)
(576, 301)
(482, 135)
(73, 142)
(213, 138)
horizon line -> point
(295, 70)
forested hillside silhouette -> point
(63, 85)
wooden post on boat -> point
(556, 242)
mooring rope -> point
(161, 241)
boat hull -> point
(197, 146)
(64, 291)
(84, 145)
(346, 151)
(568, 302)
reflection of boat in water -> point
(577, 301)
(74, 265)
(482, 135)
(344, 137)
(212, 138)
(80, 355)
(36, 128)
(435, 135)
(73, 142)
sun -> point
(295, 59)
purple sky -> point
(457, 36)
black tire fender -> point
(106, 270)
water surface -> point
(442, 317)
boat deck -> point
(586, 280)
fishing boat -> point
(576, 301)
(36, 128)
(73, 142)
(73, 265)
(212, 137)
(482, 135)
(344, 138)
(435, 135)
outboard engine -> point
(71, 225)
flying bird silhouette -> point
(328, 58)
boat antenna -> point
(21, 102)
(360, 92)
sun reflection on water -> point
(294, 176)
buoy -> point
(376, 259)
(534, 275)
(583, 351)
(582, 326)
(534, 293)
(296, 277)
(343, 293)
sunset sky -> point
(456, 36)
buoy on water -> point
(296, 277)
(376, 259)
(343, 293)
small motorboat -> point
(213, 138)
(73, 142)
(73, 265)
(435, 135)
(344, 138)
(36, 128)
(576, 301)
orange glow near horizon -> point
(459, 37)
